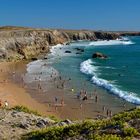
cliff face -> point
(129, 33)
(28, 43)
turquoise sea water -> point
(119, 74)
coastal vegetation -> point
(124, 126)
(22, 123)
(25, 109)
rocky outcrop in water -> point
(99, 55)
(22, 43)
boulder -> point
(41, 124)
(68, 43)
(78, 49)
(78, 53)
(99, 55)
(34, 59)
(67, 121)
(24, 126)
(45, 57)
(67, 51)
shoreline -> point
(15, 94)
(43, 100)
(72, 109)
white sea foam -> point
(55, 50)
(107, 67)
(87, 68)
(111, 42)
(37, 70)
(59, 51)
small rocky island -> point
(99, 55)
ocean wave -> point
(87, 68)
(55, 50)
(111, 42)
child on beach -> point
(6, 104)
(62, 102)
(72, 90)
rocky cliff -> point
(129, 33)
(26, 43)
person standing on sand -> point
(96, 98)
(72, 89)
(81, 105)
(39, 85)
(85, 96)
(107, 112)
(55, 107)
(78, 95)
(22, 81)
(63, 84)
(56, 99)
(57, 86)
(103, 109)
(6, 105)
(60, 78)
(62, 102)
(110, 113)
(0, 103)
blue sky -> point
(72, 14)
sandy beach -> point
(43, 99)
(16, 94)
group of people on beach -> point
(60, 82)
(58, 103)
(82, 95)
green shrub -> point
(26, 110)
(92, 129)
(54, 118)
(130, 131)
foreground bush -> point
(116, 128)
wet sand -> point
(12, 89)
(17, 92)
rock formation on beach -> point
(17, 43)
